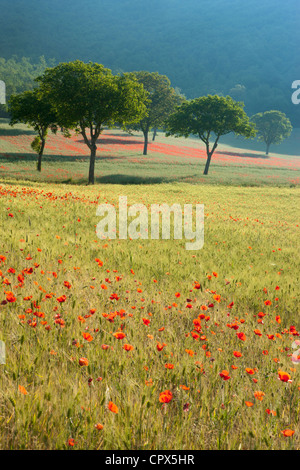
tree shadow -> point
(16, 157)
(16, 132)
(242, 155)
(124, 179)
(112, 141)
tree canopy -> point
(87, 97)
(34, 109)
(162, 100)
(272, 127)
(210, 117)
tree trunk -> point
(209, 153)
(92, 163)
(267, 150)
(154, 134)
(40, 156)
(207, 163)
(145, 142)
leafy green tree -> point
(162, 101)
(88, 97)
(272, 127)
(210, 117)
(32, 108)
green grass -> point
(120, 161)
(251, 238)
(250, 255)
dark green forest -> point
(247, 49)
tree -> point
(272, 127)
(88, 97)
(162, 101)
(34, 109)
(207, 116)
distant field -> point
(120, 160)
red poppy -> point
(166, 396)
(224, 374)
(288, 432)
(87, 337)
(284, 376)
(128, 347)
(83, 361)
(119, 335)
(241, 336)
(112, 407)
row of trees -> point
(88, 97)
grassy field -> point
(120, 160)
(142, 344)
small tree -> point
(210, 115)
(88, 97)
(272, 127)
(162, 101)
(34, 109)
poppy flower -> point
(284, 376)
(184, 387)
(288, 432)
(22, 390)
(119, 335)
(87, 337)
(166, 396)
(241, 336)
(258, 332)
(237, 354)
(190, 352)
(10, 297)
(112, 407)
(169, 366)
(259, 395)
(224, 374)
(248, 403)
(271, 412)
(128, 347)
(99, 426)
(83, 361)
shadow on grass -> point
(115, 141)
(131, 179)
(16, 157)
(14, 131)
(243, 155)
